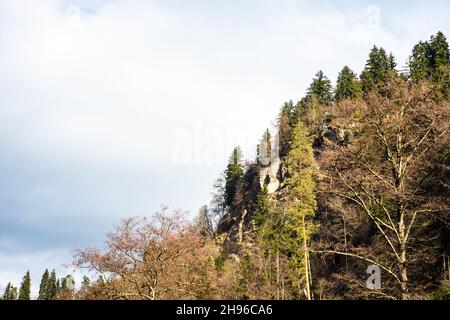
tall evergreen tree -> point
(440, 51)
(7, 293)
(392, 62)
(52, 289)
(441, 64)
(429, 59)
(43, 286)
(379, 68)
(348, 85)
(263, 207)
(302, 205)
(321, 89)
(10, 292)
(63, 284)
(420, 62)
(58, 286)
(264, 150)
(14, 293)
(25, 287)
(243, 278)
(234, 176)
(285, 120)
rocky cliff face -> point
(236, 227)
(270, 175)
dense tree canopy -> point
(233, 176)
(379, 68)
(321, 89)
(347, 86)
(25, 287)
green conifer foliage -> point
(52, 289)
(348, 85)
(420, 62)
(234, 176)
(302, 205)
(285, 120)
(13, 295)
(25, 288)
(440, 51)
(321, 89)
(43, 286)
(7, 293)
(430, 60)
(10, 292)
(379, 68)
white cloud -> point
(117, 83)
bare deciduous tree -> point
(151, 259)
(385, 173)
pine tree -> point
(392, 62)
(244, 275)
(420, 62)
(7, 293)
(52, 289)
(25, 288)
(348, 85)
(43, 286)
(321, 89)
(14, 293)
(440, 51)
(285, 120)
(302, 205)
(234, 176)
(440, 64)
(264, 150)
(263, 207)
(10, 292)
(430, 60)
(379, 68)
(63, 284)
(58, 286)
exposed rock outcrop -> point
(237, 224)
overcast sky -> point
(109, 109)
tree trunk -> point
(403, 269)
(306, 262)
(404, 281)
(278, 274)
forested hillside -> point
(354, 179)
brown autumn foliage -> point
(388, 191)
(160, 258)
(150, 259)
